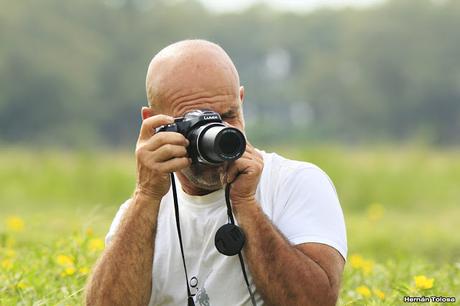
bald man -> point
(295, 246)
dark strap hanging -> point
(240, 255)
(176, 211)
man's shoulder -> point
(280, 165)
(285, 173)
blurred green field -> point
(401, 208)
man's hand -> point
(244, 175)
(157, 155)
(123, 274)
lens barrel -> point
(218, 143)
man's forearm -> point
(282, 274)
(123, 275)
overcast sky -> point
(293, 5)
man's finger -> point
(169, 151)
(164, 138)
(149, 125)
(232, 172)
(175, 164)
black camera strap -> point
(190, 301)
(240, 255)
(240, 239)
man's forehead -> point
(223, 104)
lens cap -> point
(229, 239)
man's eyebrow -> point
(230, 112)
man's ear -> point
(242, 93)
(146, 112)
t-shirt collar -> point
(203, 200)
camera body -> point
(211, 141)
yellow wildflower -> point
(7, 264)
(15, 224)
(83, 271)
(21, 285)
(64, 260)
(358, 262)
(375, 212)
(364, 291)
(68, 271)
(379, 293)
(96, 244)
(423, 282)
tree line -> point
(73, 73)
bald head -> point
(190, 75)
(188, 70)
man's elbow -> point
(95, 297)
(96, 294)
(332, 297)
(92, 295)
(328, 296)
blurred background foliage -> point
(72, 73)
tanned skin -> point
(123, 274)
(185, 76)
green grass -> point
(401, 209)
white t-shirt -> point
(298, 198)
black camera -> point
(211, 141)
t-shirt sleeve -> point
(311, 211)
(116, 222)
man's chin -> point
(206, 177)
(207, 187)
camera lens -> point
(218, 143)
(228, 143)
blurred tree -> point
(72, 73)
